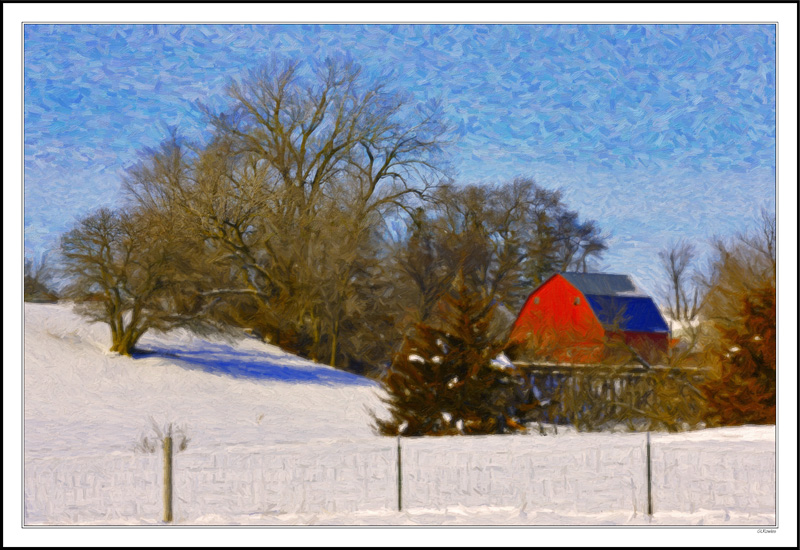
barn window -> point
(577, 300)
(536, 300)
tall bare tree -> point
(302, 170)
(335, 125)
(681, 296)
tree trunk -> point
(120, 347)
(334, 339)
(125, 340)
(315, 338)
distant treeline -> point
(321, 217)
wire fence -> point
(570, 473)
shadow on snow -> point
(221, 359)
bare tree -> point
(419, 260)
(763, 241)
(37, 285)
(124, 270)
(505, 238)
(299, 176)
(575, 241)
(741, 266)
(682, 300)
(335, 126)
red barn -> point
(573, 317)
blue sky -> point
(658, 132)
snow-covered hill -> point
(82, 400)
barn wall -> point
(557, 327)
(650, 345)
(648, 340)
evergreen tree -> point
(443, 382)
(745, 392)
(740, 309)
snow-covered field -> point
(278, 440)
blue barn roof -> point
(603, 284)
(629, 313)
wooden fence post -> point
(168, 479)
